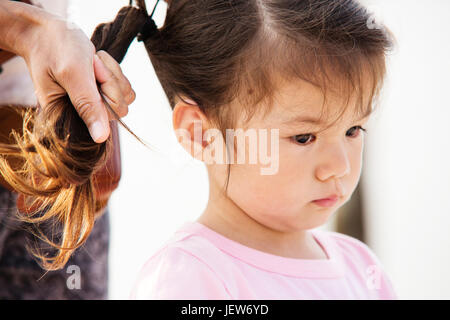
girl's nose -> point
(333, 163)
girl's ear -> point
(190, 124)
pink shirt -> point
(198, 263)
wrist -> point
(19, 26)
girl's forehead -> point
(294, 105)
(298, 102)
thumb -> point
(83, 92)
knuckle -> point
(124, 111)
(69, 68)
(114, 64)
(124, 80)
(121, 112)
(62, 71)
(84, 108)
(131, 96)
(127, 84)
(111, 77)
(114, 77)
(117, 105)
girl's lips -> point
(327, 202)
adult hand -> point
(61, 58)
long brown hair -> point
(216, 53)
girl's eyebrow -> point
(302, 119)
(308, 120)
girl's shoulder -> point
(187, 266)
(193, 247)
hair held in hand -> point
(214, 52)
(52, 162)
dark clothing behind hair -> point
(19, 272)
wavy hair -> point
(52, 161)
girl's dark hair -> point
(217, 53)
(238, 52)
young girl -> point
(308, 69)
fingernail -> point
(97, 130)
(96, 57)
(103, 69)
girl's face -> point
(312, 165)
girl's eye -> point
(304, 139)
(351, 131)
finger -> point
(124, 83)
(110, 87)
(82, 89)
